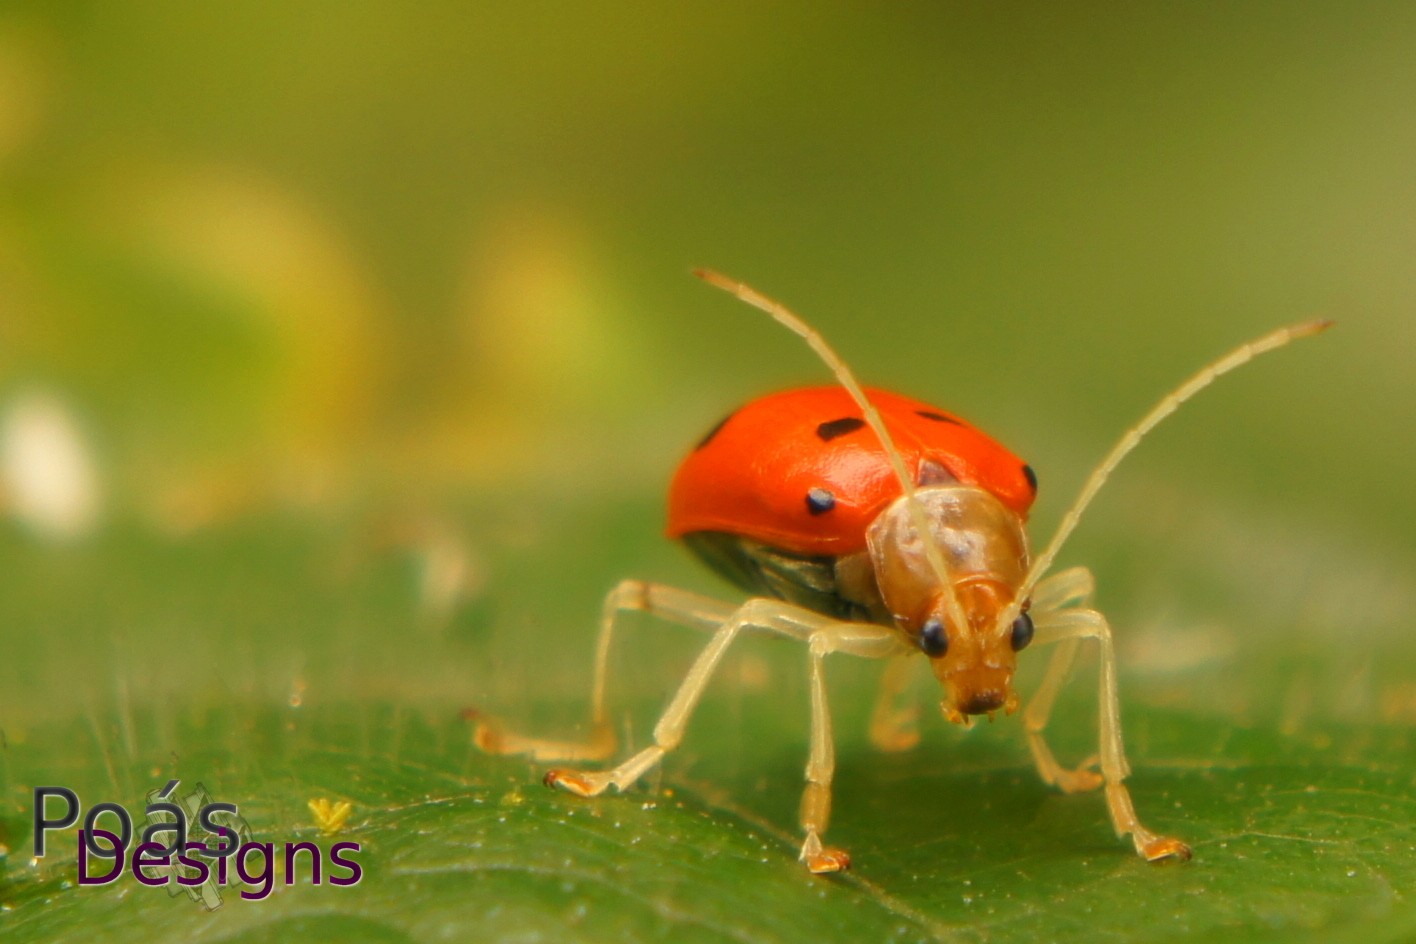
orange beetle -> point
(865, 523)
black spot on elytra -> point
(819, 501)
(1031, 476)
(833, 428)
(717, 428)
(937, 417)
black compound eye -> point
(1022, 632)
(932, 639)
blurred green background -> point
(346, 350)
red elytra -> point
(801, 471)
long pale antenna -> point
(1169, 403)
(872, 416)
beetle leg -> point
(825, 635)
(893, 728)
(773, 616)
(680, 606)
(820, 768)
(1036, 716)
(1072, 586)
(1074, 625)
(667, 733)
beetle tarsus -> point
(1081, 779)
(486, 732)
(570, 782)
(1165, 849)
(829, 860)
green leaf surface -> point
(377, 330)
(1302, 825)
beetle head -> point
(974, 662)
(960, 627)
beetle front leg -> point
(1039, 712)
(680, 606)
(667, 733)
(820, 769)
(772, 616)
(1076, 624)
(1071, 587)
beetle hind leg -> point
(491, 736)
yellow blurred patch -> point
(330, 816)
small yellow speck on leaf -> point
(330, 817)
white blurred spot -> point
(46, 468)
(448, 571)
